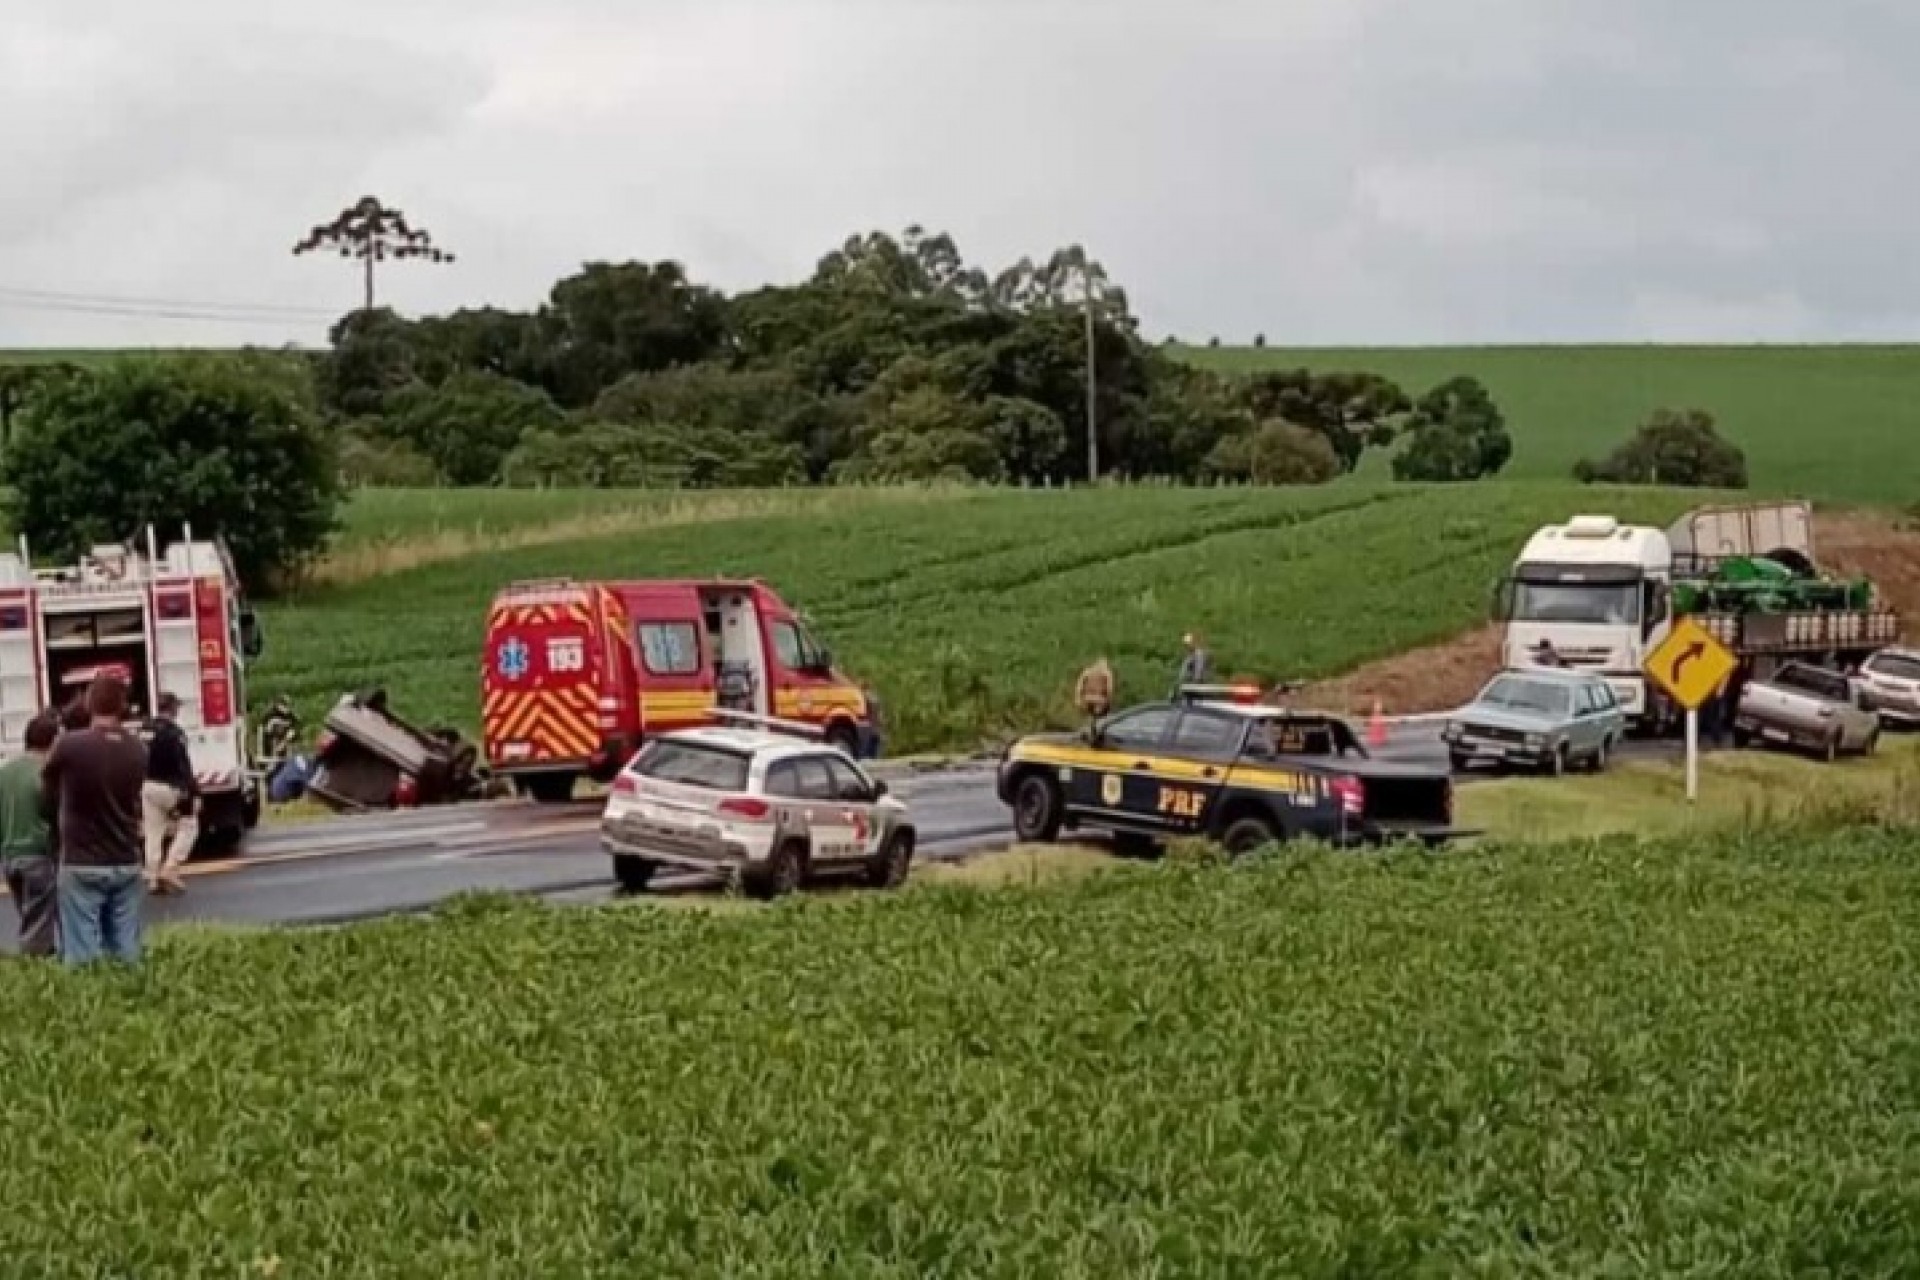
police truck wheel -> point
(779, 876)
(890, 866)
(633, 874)
(1249, 835)
(1036, 809)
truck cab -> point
(1598, 591)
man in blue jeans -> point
(90, 791)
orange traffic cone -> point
(1377, 727)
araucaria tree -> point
(373, 233)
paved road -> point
(358, 868)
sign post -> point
(1690, 666)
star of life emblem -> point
(514, 659)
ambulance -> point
(171, 622)
(575, 675)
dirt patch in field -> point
(1443, 676)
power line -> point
(22, 299)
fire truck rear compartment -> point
(80, 643)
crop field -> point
(971, 615)
(1697, 1058)
(1837, 423)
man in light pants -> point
(168, 799)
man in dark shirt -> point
(168, 799)
(90, 790)
(26, 846)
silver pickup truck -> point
(1807, 707)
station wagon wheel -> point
(1037, 809)
(1831, 751)
(1601, 754)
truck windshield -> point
(1614, 604)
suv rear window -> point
(692, 765)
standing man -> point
(1196, 667)
(26, 843)
(90, 789)
(168, 799)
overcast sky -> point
(1323, 171)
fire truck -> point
(172, 622)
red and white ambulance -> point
(167, 623)
(576, 675)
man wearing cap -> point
(168, 799)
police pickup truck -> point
(1245, 775)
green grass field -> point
(971, 613)
(1836, 423)
(1694, 1058)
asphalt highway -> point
(345, 869)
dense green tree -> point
(468, 424)
(229, 445)
(372, 356)
(1352, 410)
(613, 319)
(1682, 448)
(1456, 432)
(1275, 453)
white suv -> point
(759, 807)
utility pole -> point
(1093, 386)
(372, 232)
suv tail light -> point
(746, 808)
(1352, 794)
(626, 785)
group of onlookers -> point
(92, 819)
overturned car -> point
(368, 758)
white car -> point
(764, 808)
(1890, 679)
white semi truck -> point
(169, 621)
(1606, 594)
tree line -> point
(897, 360)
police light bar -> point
(787, 728)
(1214, 692)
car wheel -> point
(1036, 809)
(780, 875)
(1249, 835)
(890, 866)
(1602, 754)
(633, 874)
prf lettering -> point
(1182, 804)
